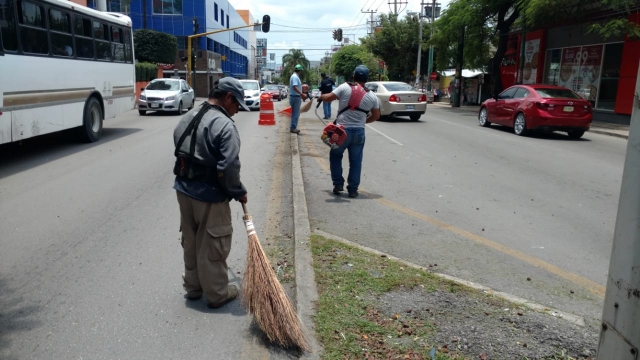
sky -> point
(309, 25)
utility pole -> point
(193, 55)
(372, 27)
(619, 331)
(435, 12)
(458, 80)
(419, 45)
(396, 4)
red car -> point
(274, 91)
(538, 107)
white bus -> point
(62, 66)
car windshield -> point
(271, 87)
(398, 87)
(250, 85)
(557, 93)
(164, 85)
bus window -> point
(103, 47)
(8, 30)
(61, 40)
(117, 46)
(83, 38)
(33, 33)
(127, 45)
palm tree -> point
(290, 60)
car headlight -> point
(142, 97)
(170, 98)
(256, 94)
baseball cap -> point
(323, 74)
(233, 86)
(361, 73)
(299, 67)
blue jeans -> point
(355, 144)
(295, 102)
(326, 106)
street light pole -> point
(419, 45)
(430, 67)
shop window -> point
(8, 27)
(167, 7)
(610, 75)
(552, 67)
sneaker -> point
(353, 194)
(337, 189)
(295, 131)
(194, 296)
(232, 294)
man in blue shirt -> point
(295, 98)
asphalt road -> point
(480, 203)
(91, 262)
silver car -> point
(398, 98)
(166, 95)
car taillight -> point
(394, 98)
(422, 98)
(587, 108)
(545, 106)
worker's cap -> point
(299, 67)
(233, 86)
(323, 74)
(361, 73)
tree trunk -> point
(503, 26)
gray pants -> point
(206, 240)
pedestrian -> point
(326, 86)
(295, 98)
(207, 178)
(354, 103)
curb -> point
(306, 291)
(574, 319)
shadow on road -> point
(396, 119)
(30, 153)
(15, 318)
(542, 135)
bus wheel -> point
(92, 121)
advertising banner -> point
(590, 61)
(531, 63)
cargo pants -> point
(206, 241)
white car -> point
(166, 95)
(251, 93)
(398, 98)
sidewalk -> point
(597, 127)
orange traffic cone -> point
(267, 116)
(286, 111)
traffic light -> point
(339, 35)
(335, 34)
(266, 23)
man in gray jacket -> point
(207, 177)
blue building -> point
(218, 55)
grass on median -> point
(348, 323)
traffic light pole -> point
(190, 68)
(430, 67)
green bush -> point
(154, 46)
(146, 71)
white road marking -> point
(381, 133)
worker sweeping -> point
(357, 106)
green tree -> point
(290, 60)
(154, 46)
(397, 44)
(348, 57)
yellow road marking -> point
(590, 285)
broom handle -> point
(244, 208)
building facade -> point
(603, 71)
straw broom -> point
(264, 297)
(306, 106)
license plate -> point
(568, 109)
(155, 105)
(409, 107)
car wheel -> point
(575, 134)
(415, 117)
(179, 112)
(520, 125)
(483, 118)
(91, 121)
(142, 112)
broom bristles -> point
(306, 106)
(265, 299)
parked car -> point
(274, 91)
(315, 93)
(166, 95)
(251, 93)
(538, 107)
(285, 90)
(398, 98)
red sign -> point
(434, 75)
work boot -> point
(295, 131)
(194, 296)
(232, 294)
(337, 189)
(353, 194)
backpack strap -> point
(358, 92)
